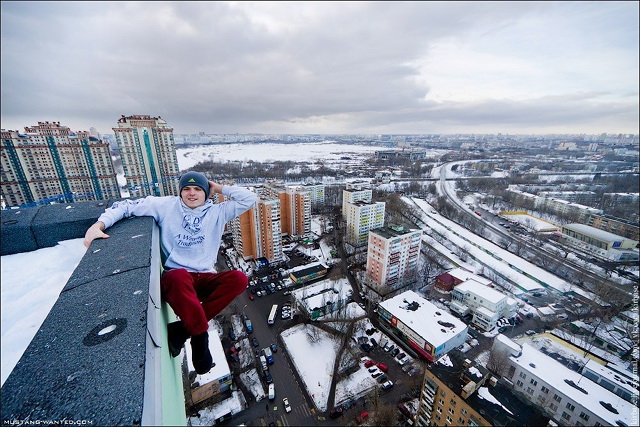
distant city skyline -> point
(324, 67)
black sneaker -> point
(178, 335)
(200, 354)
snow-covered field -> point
(269, 152)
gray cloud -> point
(303, 67)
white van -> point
(272, 391)
(383, 342)
(263, 361)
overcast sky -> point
(324, 67)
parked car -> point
(255, 342)
(376, 374)
(232, 335)
(382, 378)
(387, 385)
(362, 417)
(366, 347)
(530, 332)
(369, 363)
(373, 369)
(395, 352)
(268, 378)
(273, 347)
(401, 356)
(335, 412)
(391, 348)
(382, 367)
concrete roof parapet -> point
(87, 360)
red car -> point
(362, 417)
(382, 367)
(368, 363)
(251, 297)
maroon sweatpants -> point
(198, 297)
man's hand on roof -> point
(94, 232)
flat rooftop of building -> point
(393, 231)
(479, 289)
(586, 393)
(595, 232)
(508, 411)
(306, 270)
(435, 325)
(462, 274)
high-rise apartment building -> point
(355, 193)
(257, 232)
(392, 257)
(362, 217)
(148, 153)
(316, 194)
(51, 163)
(295, 207)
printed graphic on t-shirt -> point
(192, 223)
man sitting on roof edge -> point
(191, 228)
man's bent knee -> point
(239, 279)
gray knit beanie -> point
(195, 178)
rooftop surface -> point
(556, 375)
(479, 289)
(509, 412)
(430, 322)
(462, 274)
(595, 232)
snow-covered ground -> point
(328, 153)
(28, 294)
(313, 352)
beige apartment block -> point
(50, 163)
(148, 153)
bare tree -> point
(498, 362)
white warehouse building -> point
(487, 304)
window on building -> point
(520, 383)
(523, 375)
(529, 390)
(450, 410)
(449, 420)
(570, 406)
(464, 412)
(534, 382)
(584, 416)
(545, 390)
(566, 416)
(452, 402)
(553, 407)
(557, 398)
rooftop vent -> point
(413, 306)
(533, 365)
(609, 407)
(446, 324)
(576, 386)
(438, 313)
